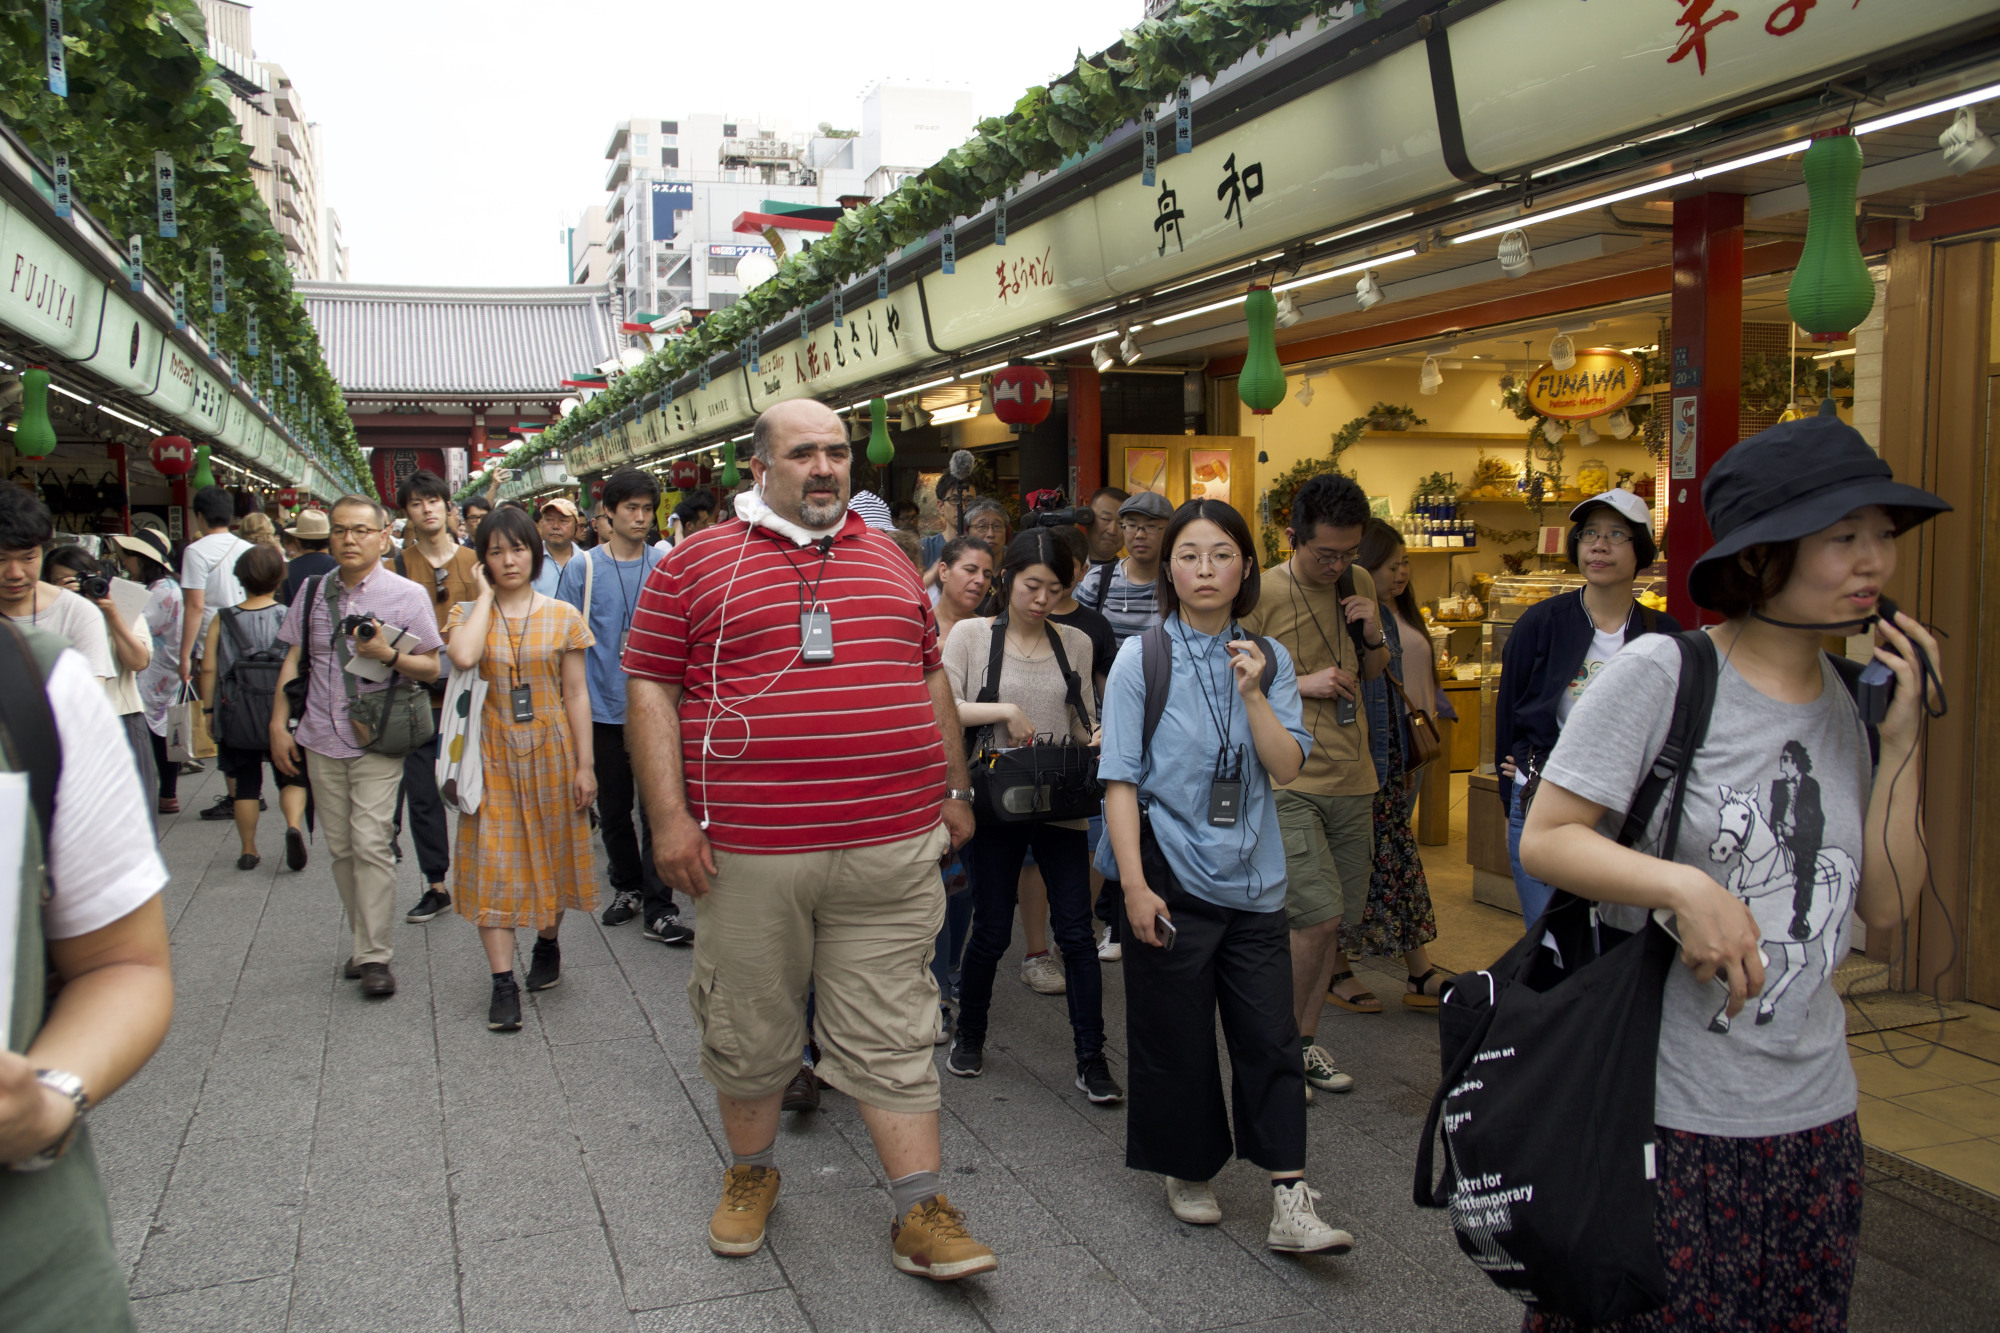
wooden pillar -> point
(1706, 360)
(1086, 432)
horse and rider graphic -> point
(1792, 886)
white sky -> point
(460, 138)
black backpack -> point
(244, 695)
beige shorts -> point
(859, 926)
(1329, 853)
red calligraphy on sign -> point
(1694, 18)
(1798, 10)
(1022, 273)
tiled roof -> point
(477, 343)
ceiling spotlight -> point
(1586, 435)
(1553, 430)
(1100, 356)
(1129, 349)
(1367, 291)
(908, 419)
(1562, 352)
(857, 429)
(1516, 259)
(1964, 146)
(1288, 314)
(1619, 424)
(1430, 377)
(986, 394)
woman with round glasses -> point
(1559, 646)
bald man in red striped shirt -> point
(800, 756)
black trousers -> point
(168, 772)
(428, 828)
(1237, 964)
(993, 860)
(630, 853)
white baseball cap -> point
(1626, 503)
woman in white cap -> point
(147, 557)
(1757, 1160)
(1557, 649)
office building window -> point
(670, 157)
(729, 131)
(723, 266)
(670, 127)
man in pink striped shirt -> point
(800, 756)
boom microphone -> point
(962, 464)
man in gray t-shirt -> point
(1787, 1070)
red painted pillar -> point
(116, 450)
(1707, 363)
(1086, 432)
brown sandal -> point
(1361, 1002)
(1418, 993)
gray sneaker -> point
(624, 906)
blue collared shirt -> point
(1241, 867)
(614, 596)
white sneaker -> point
(1296, 1228)
(1193, 1201)
(1044, 974)
(1321, 1074)
(1108, 949)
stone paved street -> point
(297, 1158)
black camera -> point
(95, 587)
(361, 627)
(1046, 511)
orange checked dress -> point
(524, 856)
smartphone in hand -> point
(1165, 930)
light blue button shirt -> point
(614, 597)
(1241, 867)
(547, 581)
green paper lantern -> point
(203, 474)
(729, 476)
(1261, 383)
(35, 434)
(880, 451)
(1831, 291)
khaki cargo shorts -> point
(1329, 853)
(859, 925)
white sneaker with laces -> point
(1321, 1074)
(1296, 1228)
(1044, 974)
(1108, 949)
(1193, 1201)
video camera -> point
(1045, 510)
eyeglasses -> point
(1610, 537)
(1332, 558)
(981, 529)
(1154, 528)
(1218, 561)
(358, 533)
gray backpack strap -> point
(1156, 661)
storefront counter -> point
(1486, 842)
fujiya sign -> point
(1602, 380)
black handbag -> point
(1549, 1055)
(1051, 780)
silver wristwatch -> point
(70, 1086)
(953, 794)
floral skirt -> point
(1757, 1234)
(1399, 916)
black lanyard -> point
(1228, 757)
(515, 642)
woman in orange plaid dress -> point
(524, 856)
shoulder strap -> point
(33, 743)
(1343, 589)
(1849, 672)
(1646, 622)
(1104, 572)
(1694, 701)
(238, 644)
(1270, 671)
(1072, 683)
(996, 654)
(589, 581)
(1156, 661)
(397, 564)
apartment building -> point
(677, 188)
(285, 151)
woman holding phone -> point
(1193, 825)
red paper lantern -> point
(288, 497)
(597, 489)
(686, 473)
(1022, 396)
(173, 455)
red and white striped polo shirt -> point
(800, 756)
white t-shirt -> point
(209, 566)
(1603, 647)
(80, 623)
(103, 861)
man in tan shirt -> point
(1321, 606)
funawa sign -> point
(1603, 380)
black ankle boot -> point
(504, 1014)
(545, 967)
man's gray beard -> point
(821, 514)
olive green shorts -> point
(1329, 850)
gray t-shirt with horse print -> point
(1775, 786)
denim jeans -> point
(1533, 893)
(946, 962)
(993, 860)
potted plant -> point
(1394, 416)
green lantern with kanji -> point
(881, 452)
(1831, 291)
(1261, 382)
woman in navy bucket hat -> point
(1789, 830)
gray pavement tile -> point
(657, 1213)
(517, 1177)
(231, 1212)
(615, 1089)
(561, 1281)
(589, 1004)
(138, 1132)
(376, 1257)
(835, 1252)
(129, 1236)
(236, 1307)
(266, 1086)
(760, 1312)
(1065, 1287)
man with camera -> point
(432, 559)
(1321, 606)
(364, 612)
